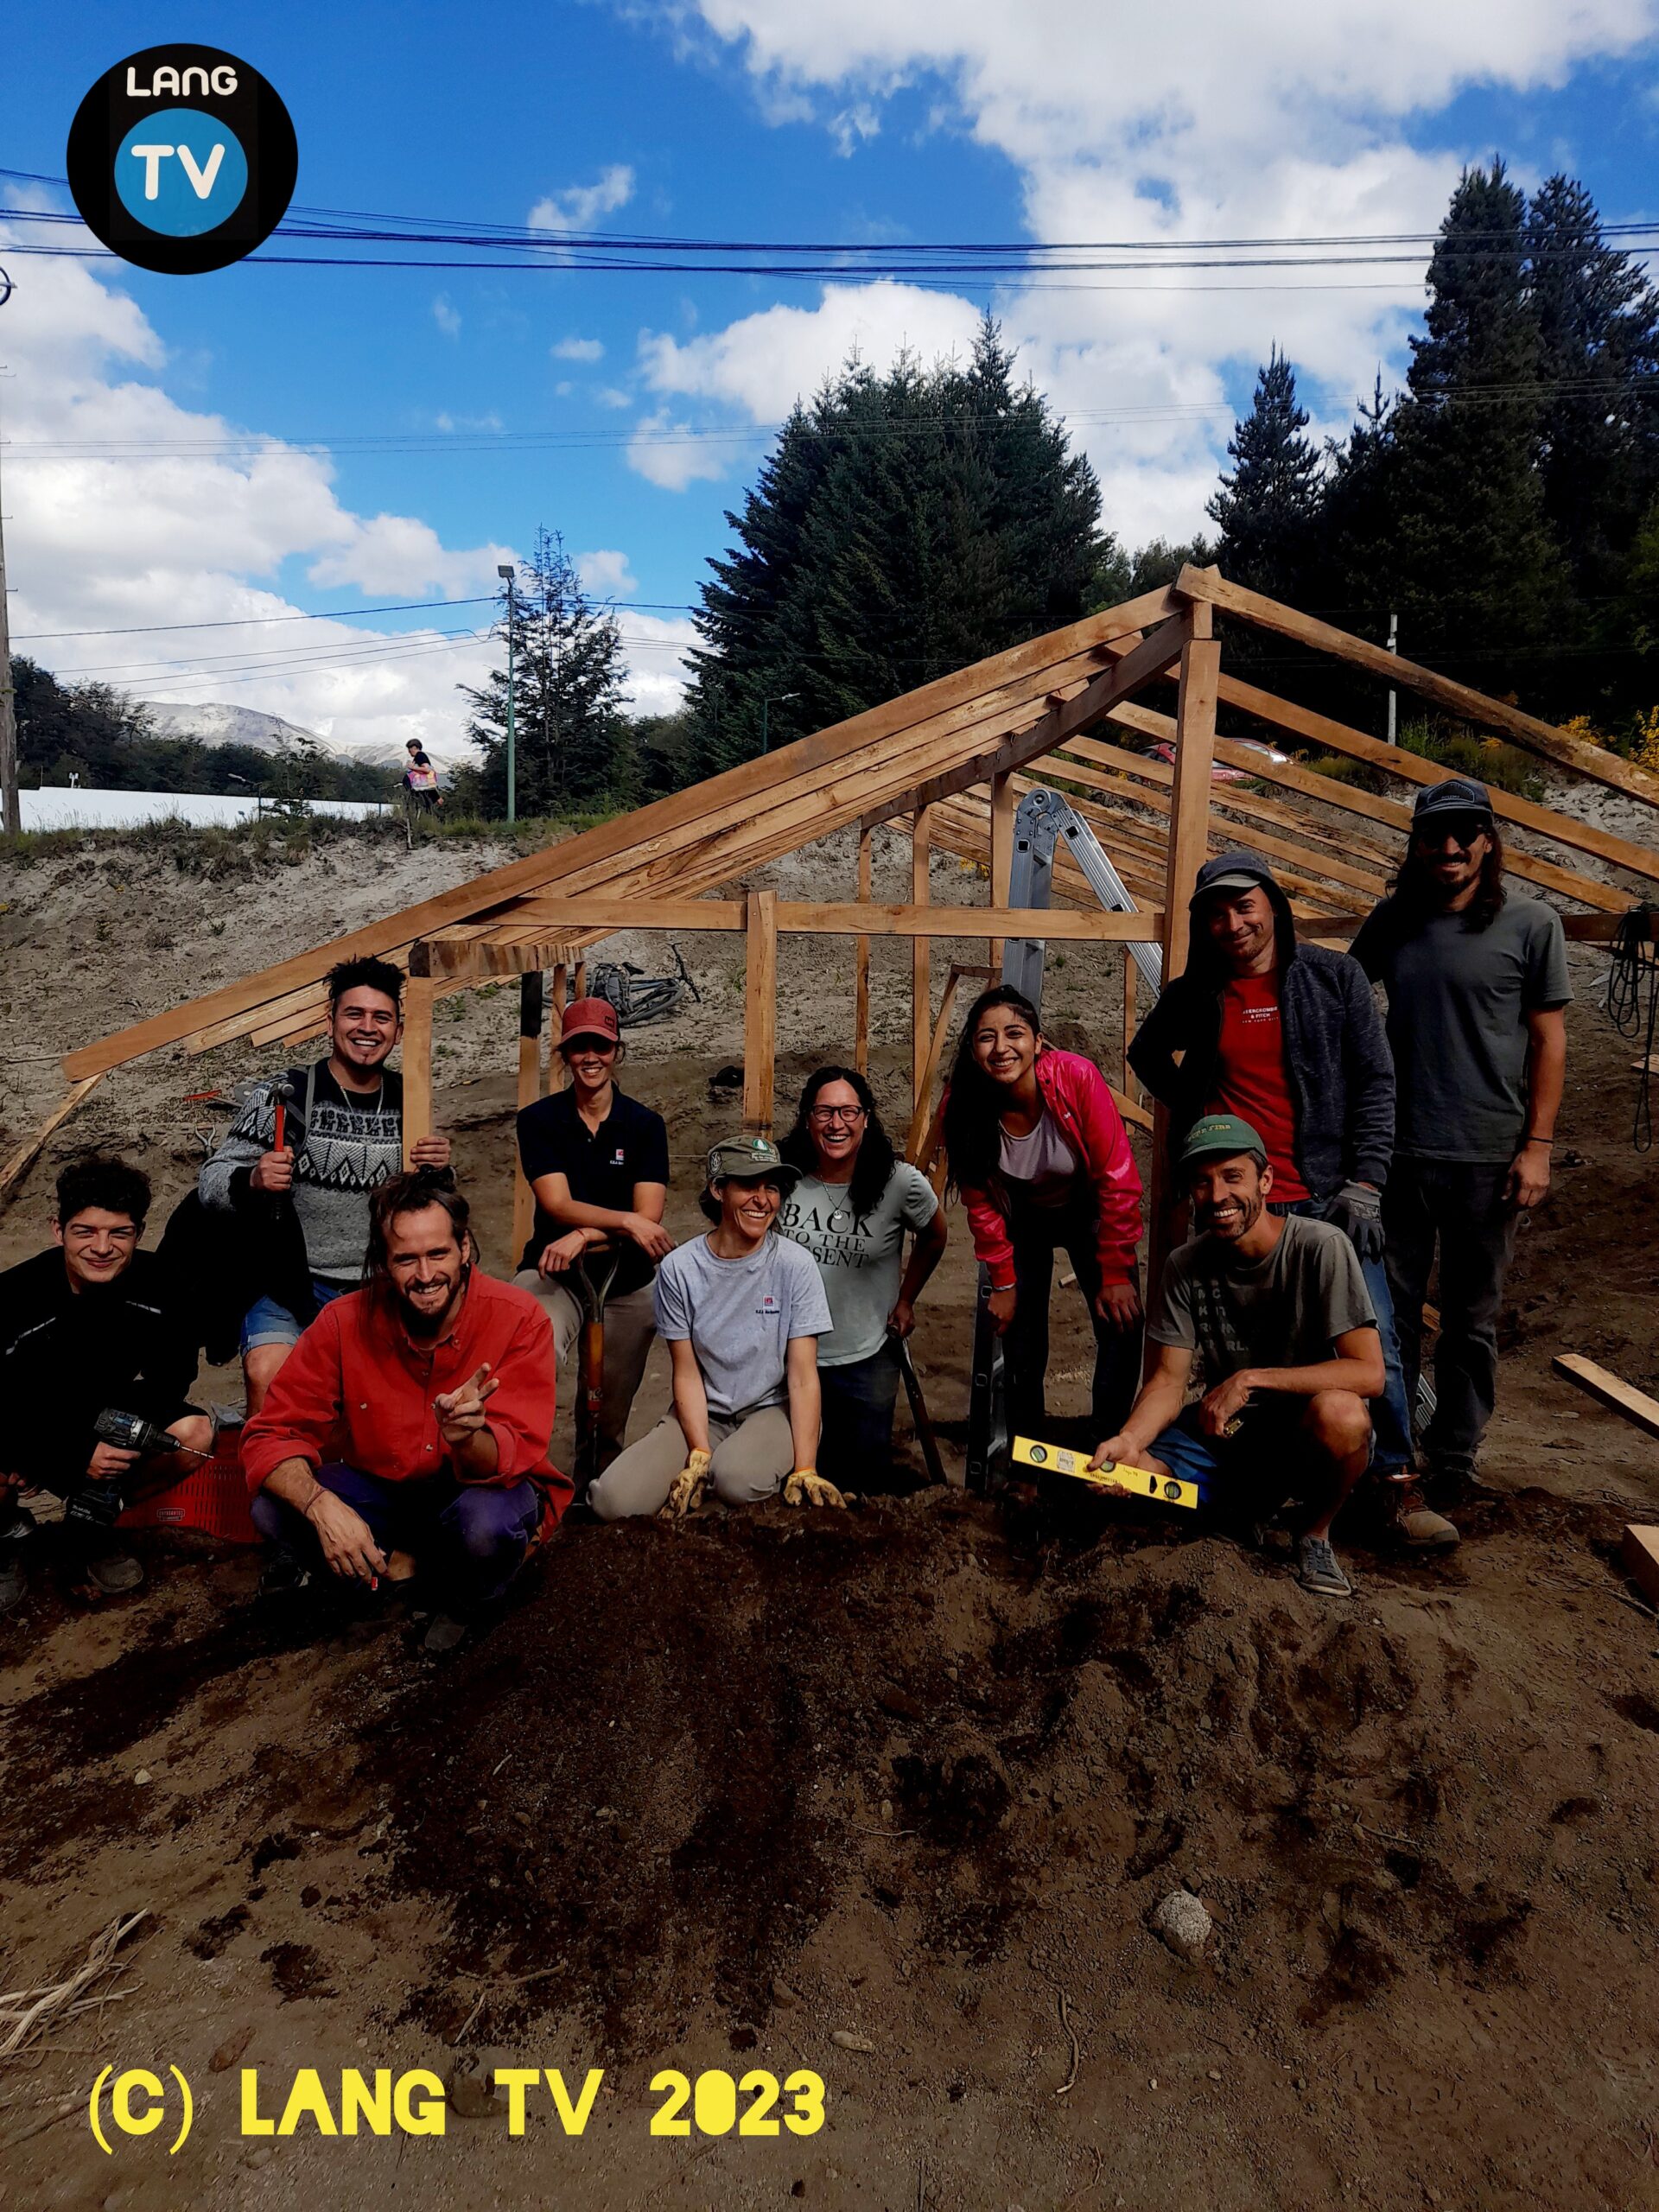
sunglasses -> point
(1461, 829)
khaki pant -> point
(753, 1453)
(630, 1326)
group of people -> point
(400, 1401)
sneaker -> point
(1317, 1569)
(445, 1633)
(14, 1583)
(1418, 1527)
(113, 1573)
(284, 1576)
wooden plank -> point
(557, 1074)
(1410, 767)
(19, 1163)
(480, 960)
(1131, 1088)
(418, 1063)
(1135, 1114)
(811, 918)
(921, 962)
(529, 1088)
(730, 796)
(1638, 1555)
(862, 965)
(921, 1105)
(1207, 586)
(587, 914)
(760, 1010)
(1623, 1398)
(1004, 802)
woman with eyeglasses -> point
(1037, 1148)
(597, 1162)
(851, 1209)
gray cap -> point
(1457, 795)
(750, 1160)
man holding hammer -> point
(313, 1145)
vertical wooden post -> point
(418, 995)
(530, 1086)
(578, 981)
(557, 1073)
(1002, 805)
(759, 1010)
(1189, 841)
(1130, 1088)
(921, 958)
(862, 964)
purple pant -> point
(470, 1538)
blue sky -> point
(881, 120)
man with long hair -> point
(407, 1432)
(1478, 991)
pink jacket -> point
(1075, 1092)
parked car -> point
(1165, 751)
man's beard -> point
(1251, 1210)
(428, 1325)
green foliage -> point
(574, 745)
(1120, 574)
(1267, 508)
(1505, 767)
(902, 527)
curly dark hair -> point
(411, 1193)
(109, 1184)
(1411, 895)
(875, 1159)
(973, 1104)
(367, 974)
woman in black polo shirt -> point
(597, 1162)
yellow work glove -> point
(688, 1486)
(806, 1486)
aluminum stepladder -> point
(1043, 818)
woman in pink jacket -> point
(1036, 1149)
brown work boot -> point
(1415, 1524)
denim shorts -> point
(266, 1322)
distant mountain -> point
(215, 722)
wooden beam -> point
(1411, 767)
(1004, 801)
(530, 1087)
(473, 959)
(862, 965)
(922, 1106)
(417, 1063)
(557, 1074)
(760, 1010)
(19, 1162)
(921, 959)
(1130, 1087)
(1622, 1398)
(1207, 585)
(1638, 1555)
(1135, 1114)
(805, 917)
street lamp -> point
(777, 699)
(506, 572)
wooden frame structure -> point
(948, 764)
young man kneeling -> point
(1278, 1311)
(408, 1430)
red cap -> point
(590, 1018)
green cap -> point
(750, 1160)
(1218, 1136)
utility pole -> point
(506, 573)
(777, 699)
(11, 819)
(1394, 696)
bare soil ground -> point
(708, 1797)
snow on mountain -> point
(216, 722)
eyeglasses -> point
(1461, 829)
(836, 1113)
(602, 1045)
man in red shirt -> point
(408, 1430)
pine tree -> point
(1267, 508)
(574, 748)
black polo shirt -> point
(602, 1167)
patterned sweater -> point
(353, 1144)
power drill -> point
(100, 1504)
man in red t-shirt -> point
(1287, 1036)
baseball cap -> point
(589, 1017)
(748, 1160)
(1218, 1136)
(1458, 795)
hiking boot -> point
(445, 1633)
(282, 1575)
(1317, 1569)
(113, 1573)
(14, 1583)
(1415, 1524)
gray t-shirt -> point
(860, 1256)
(739, 1316)
(1287, 1310)
(1458, 1002)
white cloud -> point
(612, 394)
(607, 575)
(580, 206)
(447, 317)
(673, 455)
(655, 648)
(1284, 119)
(578, 349)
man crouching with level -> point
(1277, 1310)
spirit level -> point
(1140, 1482)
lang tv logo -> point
(182, 159)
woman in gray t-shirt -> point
(850, 1210)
